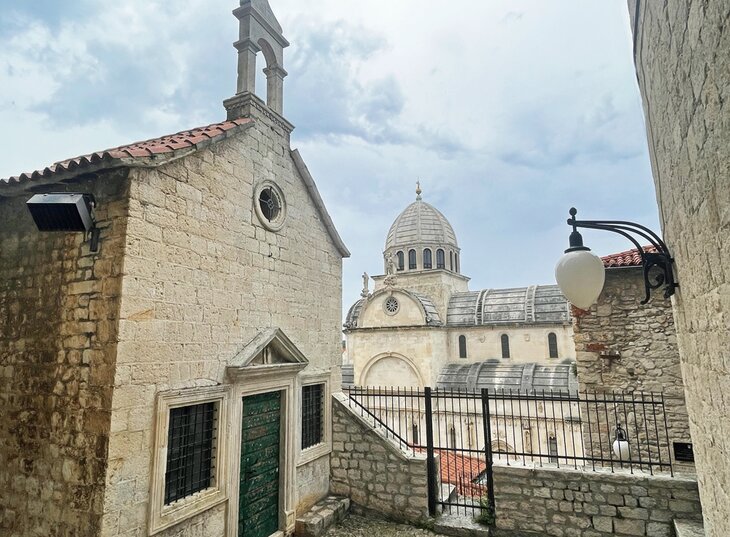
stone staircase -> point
(324, 514)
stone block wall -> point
(683, 70)
(625, 347)
(59, 306)
(373, 471)
(572, 503)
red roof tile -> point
(148, 149)
(463, 472)
(629, 258)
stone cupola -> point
(421, 238)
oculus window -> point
(270, 206)
(391, 305)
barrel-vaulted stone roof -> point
(497, 375)
(420, 223)
(536, 304)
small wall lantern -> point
(621, 447)
(64, 211)
(581, 274)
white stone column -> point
(275, 88)
(247, 51)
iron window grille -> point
(312, 415)
(190, 450)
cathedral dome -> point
(420, 223)
(424, 237)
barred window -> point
(401, 260)
(412, 260)
(190, 450)
(312, 415)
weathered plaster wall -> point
(374, 472)
(683, 70)
(641, 343)
(565, 502)
(202, 278)
(59, 306)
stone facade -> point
(572, 503)
(373, 471)
(59, 306)
(625, 347)
(683, 71)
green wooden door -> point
(258, 508)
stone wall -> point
(683, 70)
(625, 347)
(373, 471)
(59, 306)
(572, 503)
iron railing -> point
(542, 428)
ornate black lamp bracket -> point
(657, 265)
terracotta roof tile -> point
(629, 258)
(145, 149)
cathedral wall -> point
(376, 314)
(403, 349)
(528, 344)
(59, 305)
(202, 278)
(438, 285)
(683, 71)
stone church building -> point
(161, 372)
(423, 326)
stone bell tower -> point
(259, 32)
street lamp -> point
(581, 274)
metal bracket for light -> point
(64, 211)
(581, 274)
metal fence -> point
(590, 430)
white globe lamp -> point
(621, 446)
(580, 273)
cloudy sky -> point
(508, 111)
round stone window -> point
(391, 305)
(270, 205)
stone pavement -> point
(358, 526)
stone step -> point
(321, 516)
(689, 528)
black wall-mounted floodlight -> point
(581, 274)
(63, 211)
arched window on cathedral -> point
(440, 259)
(505, 346)
(456, 262)
(414, 432)
(553, 345)
(451, 261)
(452, 436)
(401, 260)
(412, 260)
(427, 261)
(462, 346)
